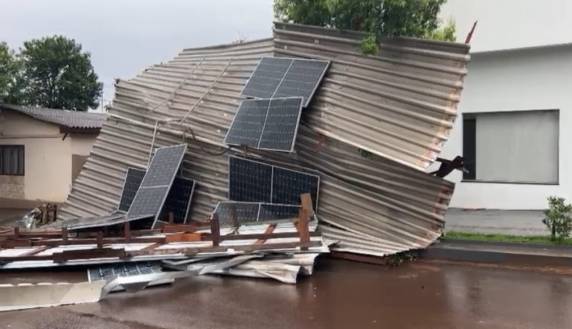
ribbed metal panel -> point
(365, 195)
(400, 104)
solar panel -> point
(147, 202)
(248, 123)
(281, 125)
(156, 184)
(178, 200)
(133, 180)
(112, 271)
(267, 77)
(254, 181)
(164, 165)
(289, 184)
(232, 213)
(267, 124)
(249, 181)
(286, 77)
(302, 79)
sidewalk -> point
(510, 222)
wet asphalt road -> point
(341, 294)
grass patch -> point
(453, 235)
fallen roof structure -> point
(375, 124)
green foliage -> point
(535, 239)
(58, 74)
(9, 73)
(444, 33)
(558, 218)
(369, 45)
(415, 18)
(400, 258)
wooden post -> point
(127, 231)
(171, 218)
(44, 210)
(55, 213)
(65, 235)
(99, 240)
(306, 199)
(215, 230)
(304, 214)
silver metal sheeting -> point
(375, 122)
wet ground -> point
(341, 294)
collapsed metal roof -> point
(64, 118)
(376, 123)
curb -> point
(500, 253)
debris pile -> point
(225, 160)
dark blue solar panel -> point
(248, 123)
(157, 183)
(281, 125)
(266, 77)
(249, 181)
(286, 77)
(266, 124)
(133, 180)
(179, 200)
(289, 184)
(164, 166)
(261, 182)
(302, 79)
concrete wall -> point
(48, 158)
(533, 79)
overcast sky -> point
(125, 36)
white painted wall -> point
(509, 24)
(48, 158)
(530, 79)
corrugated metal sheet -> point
(400, 104)
(64, 118)
(376, 201)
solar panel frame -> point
(269, 200)
(310, 96)
(262, 138)
(134, 173)
(292, 139)
(256, 207)
(178, 159)
(237, 115)
(316, 83)
(260, 63)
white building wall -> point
(518, 80)
(510, 24)
(47, 159)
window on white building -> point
(511, 147)
(12, 160)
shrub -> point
(558, 218)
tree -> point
(59, 75)
(415, 18)
(9, 74)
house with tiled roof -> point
(42, 150)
